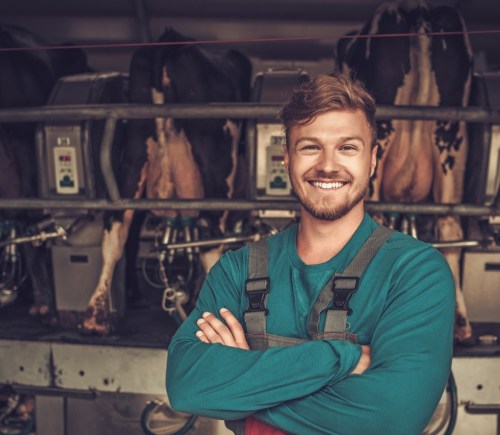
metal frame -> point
(112, 113)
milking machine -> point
(482, 264)
(174, 263)
(68, 157)
(13, 272)
(265, 145)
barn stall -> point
(73, 389)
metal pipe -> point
(106, 164)
(257, 236)
(459, 244)
(42, 237)
(212, 242)
(231, 204)
(229, 110)
(251, 158)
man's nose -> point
(329, 161)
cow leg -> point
(97, 316)
(97, 319)
(448, 228)
(448, 188)
(44, 305)
(210, 257)
(452, 64)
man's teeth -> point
(335, 185)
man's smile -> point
(332, 185)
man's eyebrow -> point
(344, 139)
(340, 140)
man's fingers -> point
(209, 332)
(215, 330)
(235, 328)
(202, 337)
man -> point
(387, 371)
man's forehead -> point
(345, 122)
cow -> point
(173, 158)
(27, 75)
(418, 160)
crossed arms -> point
(231, 333)
(313, 387)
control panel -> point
(277, 182)
(65, 168)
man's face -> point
(330, 162)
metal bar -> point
(211, 242)
(257, 236)
(229, 204)
(485, 408)
(42, 237)
(106, 164)
(229, 110)
(57, 392)
(458, 244)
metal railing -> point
(112, 113)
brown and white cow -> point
(418, 159)
(167, 158)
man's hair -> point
(326, 93)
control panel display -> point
(65, 170)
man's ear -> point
(373, 160)
(286, 156)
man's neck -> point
(318, 240)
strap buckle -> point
(341, 295)
(257, 289)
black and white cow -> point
(167, 158)
(27, 76)
(418, 159)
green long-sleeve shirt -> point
(404, 309)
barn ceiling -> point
(318, 22)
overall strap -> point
(257, 286)
(342, 285)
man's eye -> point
(309, 147)
(348, 147)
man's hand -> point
(364, 362)
(212, 330)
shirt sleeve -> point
(411, 360)
(227, 383)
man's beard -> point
(334, 211)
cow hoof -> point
(93, 330)
(97, 319)
(468, 341)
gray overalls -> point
(338, 290)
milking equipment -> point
(482, 264)
(266, 140)
(68, 155)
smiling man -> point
(333, 326)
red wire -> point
(244, 41)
